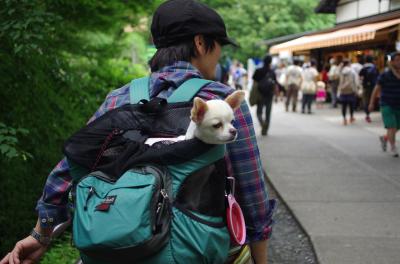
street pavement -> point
(341, 187)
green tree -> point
(251, 21)
(58, 61)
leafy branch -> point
(9, 147)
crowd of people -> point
(354, 86)
(339, 82)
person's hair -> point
(346, 62)
(360, 58)
(369, 59)
(313, 62)
(183, 51)
(267, 60)
(296, 62)
(393, 55)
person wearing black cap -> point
(388, 86)
(188, 36)
(265, 81)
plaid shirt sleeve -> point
(245, 163)
(52, 206)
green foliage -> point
(61, 252)
(9, 147)
(251, 21)
(59, 59)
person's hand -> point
(371, 108)
(26, 251)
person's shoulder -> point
(257, 70)
(218, 86)
(119, 91)
(216, 90)
(384, 77)
(386, 74)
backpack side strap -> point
(139, 90)
(187, 90)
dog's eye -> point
(218, 125)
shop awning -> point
(335, 38)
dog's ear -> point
(199, 109)
(235, 99)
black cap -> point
(178, 20)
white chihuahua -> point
(211, 121)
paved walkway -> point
(341, 187)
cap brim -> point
(228, 41)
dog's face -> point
(214, 118)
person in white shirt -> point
(308, 86)
(333, 75)
(357, 66)
(239, 76)
(293, 83)
(347, 90)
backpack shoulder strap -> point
(139, 90)
(187, 90)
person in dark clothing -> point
(388, 86)
(265, 81)
(368, 75)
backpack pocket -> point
(123, 220)
(198, 238)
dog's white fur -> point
(211, 121)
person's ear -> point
(199, 45)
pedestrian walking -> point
(239, 76)
(324, 73)
(309, 86)
(188, 46)
(347, 89)
(388, 86)
(368, 77)
(358, 65)
(333, 75)
(293, 83)
(321, 94)
(280, 73)
(265, 81)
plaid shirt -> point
(243, 158)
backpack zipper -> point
(92, 190)
(162, 199)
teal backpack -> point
(136, 203)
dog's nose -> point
(232, 131)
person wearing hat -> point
(388, 86)
(188, 36)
